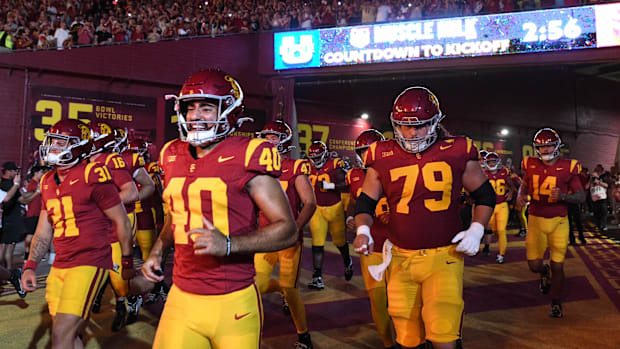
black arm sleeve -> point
(484, 195)
(365, 204)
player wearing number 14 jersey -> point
(421, 173)
(81, 209)
(214, 186)
(547, 179)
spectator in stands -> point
(61, 34)
(383, 11)
(154, 35)
(86, 34)
(369, 12)
(24, 40)
(6, 39)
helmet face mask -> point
(547, 137)
(492, 161)
(217, 89)
(122, 141)
(418, 107)
(317, 153)
(284, 133)
(104, 139)
(66, 143)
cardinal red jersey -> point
(75, 208)
(120, 175)
(144, 216)
(291, 169)
(355, 180)
(214, 187)
(332, 172)
(423, 190)
(541, 178)
(134, 162)
(34, 207)
(500, 181)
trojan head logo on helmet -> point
(104, 137)
(284, 133)
(492, 161)
(317, 153)
(364, 140)
(218, 89)
(544, 138)
(416, 106)
(66, 143)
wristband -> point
(16, 183)
(365, 230)
(228, 245)
(30, 264)
(349, 218)
(127, 262)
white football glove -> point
(469, 239)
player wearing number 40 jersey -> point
(421, 173)
(81, 209)
(215, 185)
(548, 179)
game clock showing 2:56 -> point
(551, 30)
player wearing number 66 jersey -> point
(81, 209)
(547, 179)
(421, 173)
(214, 186)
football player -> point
(421, 172)
(215, 185)
(548, 179)
(521, 211)
(499, 177)
(377, 290)
(104, 152)
(81, 209)
(298, 189)
(328, 179)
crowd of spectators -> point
(30, 24)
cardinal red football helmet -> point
(122, 141)
(364, 140)
(104, 137)
(547, 137)
(218, 88)
(416, 106)
(317, 153)
(492, 161)
(283, 131)
(66, 143)
(139, 146)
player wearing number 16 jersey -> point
(499, 177)
(81, 208)
(215, 185)
(421, 173)
(547, 179)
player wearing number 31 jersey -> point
(548, 179)
(214, 186)
(421, 173)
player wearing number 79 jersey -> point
(547, 179)
(214, 186)
(421, 173)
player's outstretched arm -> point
(40, 245)
(364, 211)
(306, 195)
(118, 216)
(152, 265)
(147, 186)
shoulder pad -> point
(96, 172)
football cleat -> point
(133, 303)
(16, 281)
(120, 318)
(348, 270)
(545, 280)
(300, 345)
(163, 292)
(285, 308)
(556, 311)
(500, 259)
(522, 233)
(316, 283)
